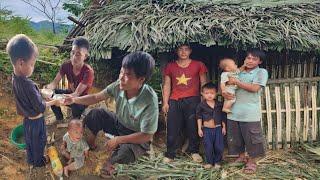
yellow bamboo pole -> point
(297, 105)
(269, 117)
(288, 114)
(279, 119)
(314, 112)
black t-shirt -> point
(28, 98)
(205, 112)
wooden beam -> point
(76, 21)
(292, 80)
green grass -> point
(45, 40)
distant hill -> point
(46, 25)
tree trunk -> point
(53, 27)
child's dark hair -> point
(223, 65)
(20, 47)
(141, 63)
(209, 85)
(257, 53)
(81, 42)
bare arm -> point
(88, 99)
(55, 102)
(199, 121)
(166, 89)
(203, 79)
(55, 81)
(246, 86)
(80, 89)
(223, 87)
(135, 138)
(166, 93)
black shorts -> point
(245, 137)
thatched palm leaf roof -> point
(142, 25)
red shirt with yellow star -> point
(185, 82)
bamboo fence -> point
(290, 112)
(291, 101)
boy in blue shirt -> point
(30, 105)
(244, 125)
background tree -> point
(49, 8)
(76, 7)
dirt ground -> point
(13, 161)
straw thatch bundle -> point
(145, 25)
(301, 162)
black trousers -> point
(76, 109)
(35, 137)
(181, 117)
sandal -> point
(107, 171)
(250, 168)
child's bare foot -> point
(65, 171)
(226, 110)
(207, 166)
(217, 166)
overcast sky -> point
(22, 9)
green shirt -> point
(247, 105)
(76, 149)
(139, 113)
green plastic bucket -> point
(17, 137)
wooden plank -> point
(297, 105)
(279, 118)
(288, 114)
(269, 117)
(292, 110)
(314, 112)
(293, 80)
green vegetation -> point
(76, 7)
(49, 58)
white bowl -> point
(46, 93)
(58, 96)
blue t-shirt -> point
(247, 106)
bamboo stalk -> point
(305, 115)
(269, 117)
(288, 114)
(297, 105)
(279, 119)
(314, 112)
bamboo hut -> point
(288, 30)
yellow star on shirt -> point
(183, 79)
